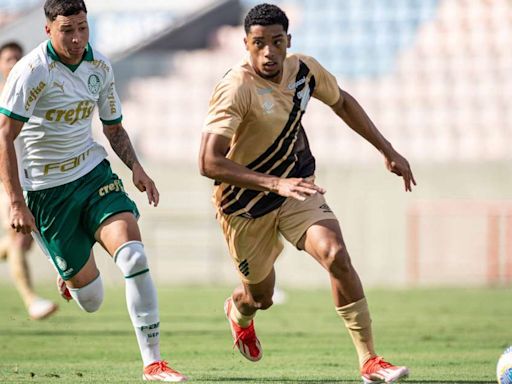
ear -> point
(47, 29)
(246, 44)
(289, 41)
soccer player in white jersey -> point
(14, 246)
(255, 147)
(72, 198)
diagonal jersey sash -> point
(282, 158)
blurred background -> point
(434, 75)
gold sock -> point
(239, 318)
(358, 322)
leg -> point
(86, 287)
(19, 244)
(120, 236)
(240, 310)
(5, 241)
(254, 245)
(117, 230)
(64, 240)
(4, 245)
(14, 247)
(324, 242)
(248, 298)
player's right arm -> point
(21, 219)
(214, 164)
(229, 105)
(25, 85)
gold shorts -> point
(255, 244)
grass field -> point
(443, 335)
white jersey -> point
(56, 102)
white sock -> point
(141, 299)
(90, 297)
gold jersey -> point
(263, 121)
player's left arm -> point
(122, 146)
(356, 118)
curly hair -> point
(265, 14)
(54, 8)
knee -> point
(90, 297)
(131, 258)
(335, 258)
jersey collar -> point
(88, 56)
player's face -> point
(69, 36)
(267, 47)
(8, 58)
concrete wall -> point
(185, 244)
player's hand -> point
(297, 188)
(397, 164)
(144, 184)
(21, 219)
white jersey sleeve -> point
(25, 85)
(109, 105)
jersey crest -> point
(94, 84)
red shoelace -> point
(376, 363)
(159, 366)
(247, 335)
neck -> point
(274, 79)
(70, 61)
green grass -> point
(443, 335)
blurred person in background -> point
(72, 197)
(14, 246)
(256, 150)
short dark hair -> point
(54, 8)
(265, 14)
(11, 45)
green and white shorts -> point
(69, 215)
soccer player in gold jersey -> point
(14, 246)
(255, 148)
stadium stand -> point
(407, 62)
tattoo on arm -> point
(121, 144)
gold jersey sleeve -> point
(228, 105)
(327, 89)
